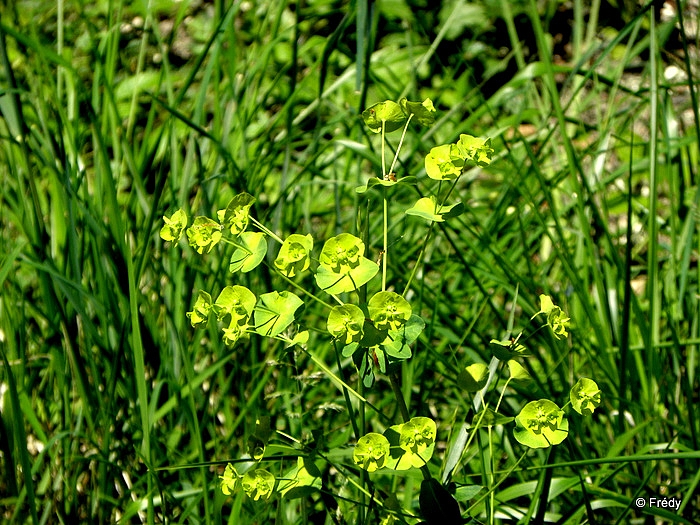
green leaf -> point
(411, 444)
(379, 355)
(228, 480)
(518, 374)
(293, 257)
(467, 492)
(437, 505)
(475, 150)
(342, 265)
(258, 484)
(302, 480)
(423, 112)
(275, 312)
(397, 342)
(585, 396)
(541, 424)
(508, 348)
(489, 418)
(428, 208)
(474, 377)
(412, 329)
(200, 311)
(345, 323)
(376, 181)
(371, 452)
(237, 214)
(249, 252)
(301, 338)
(388, 310)
(388, 112)
(236, 301)
(174, 226)
(349, 350)
(204, 233)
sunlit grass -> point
(129, 414)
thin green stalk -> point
(346, 395)
(652, 264)
(419, 260)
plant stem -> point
(386, 238)
(396, 155)
(419, 259)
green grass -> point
(122, 412)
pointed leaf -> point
(302, 480)
(437, 505)
(489, 418)
(508, 348)
(518, 373)
(428, 208)
(376, 181)
(474, 377)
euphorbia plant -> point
(377, 332)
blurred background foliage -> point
(116, 113)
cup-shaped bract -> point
(174, 226)
(342, 265)
(442, 164)
(258, 483)
(371, 451)
(423, 112)
(473, 377)
(388, 310)
(228, 480)
(388, 114)
(236, 301)
(476, 150)
(585, 396)
(345, 323)
(293, 257)
(236, 215)
(200, 311)
(204, 233)
(541, 424)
